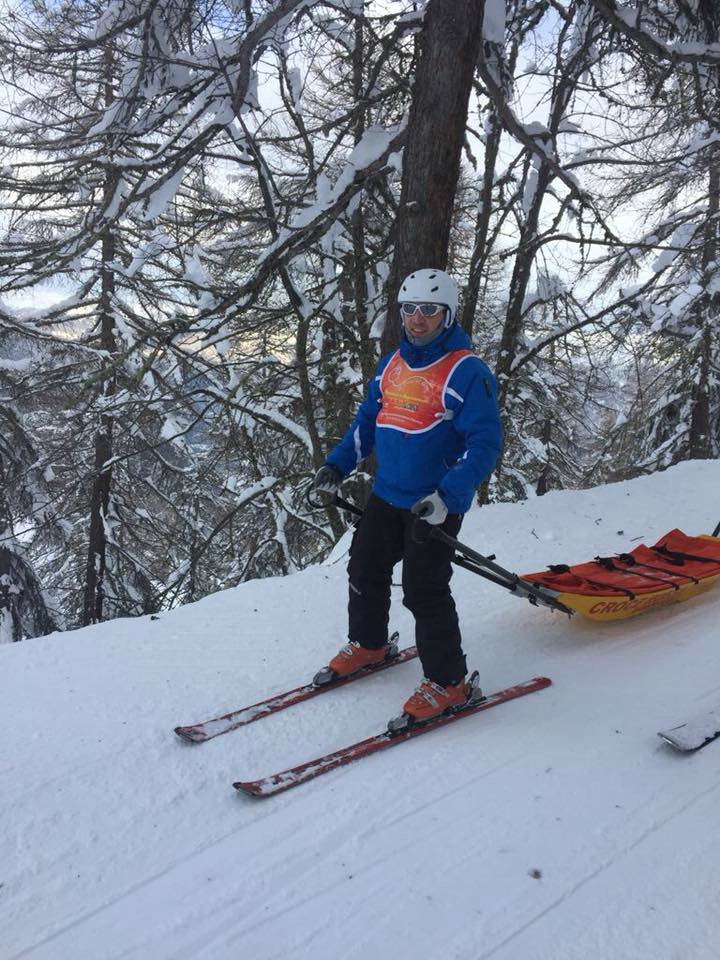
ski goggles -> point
(426, 309)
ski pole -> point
(468, 558)
(485, 567)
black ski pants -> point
(382, 538)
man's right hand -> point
(327, 480)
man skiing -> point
(431, 415)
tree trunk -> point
(701, 445)
(450, 46)
(100, 499)
(9, 626)
(8, 588)
(700, 439)
(522, 271)
(481, 249)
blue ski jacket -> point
(433, 421)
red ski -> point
(200, 732)
(278, 782)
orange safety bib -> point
(413, 397)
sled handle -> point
(485, 567)
(471, 560)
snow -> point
(494, 21)
(295, 83)
(18, 366)
(632, 17)
(549, 286)
(171, 428)
(371, 146)
(557, 826)
(158, 198)
(681, 238)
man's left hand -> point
(431, 509)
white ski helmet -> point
(431, 286)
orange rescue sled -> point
(676, 568)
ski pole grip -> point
(321, 504)
(336, 501)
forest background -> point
(205, 212)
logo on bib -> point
(412, 399)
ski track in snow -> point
(565, 900)
(121, 842)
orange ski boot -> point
(352, 658)
(431, 700)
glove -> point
(431, 509)
(327, 480)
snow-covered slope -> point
(554, 827)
